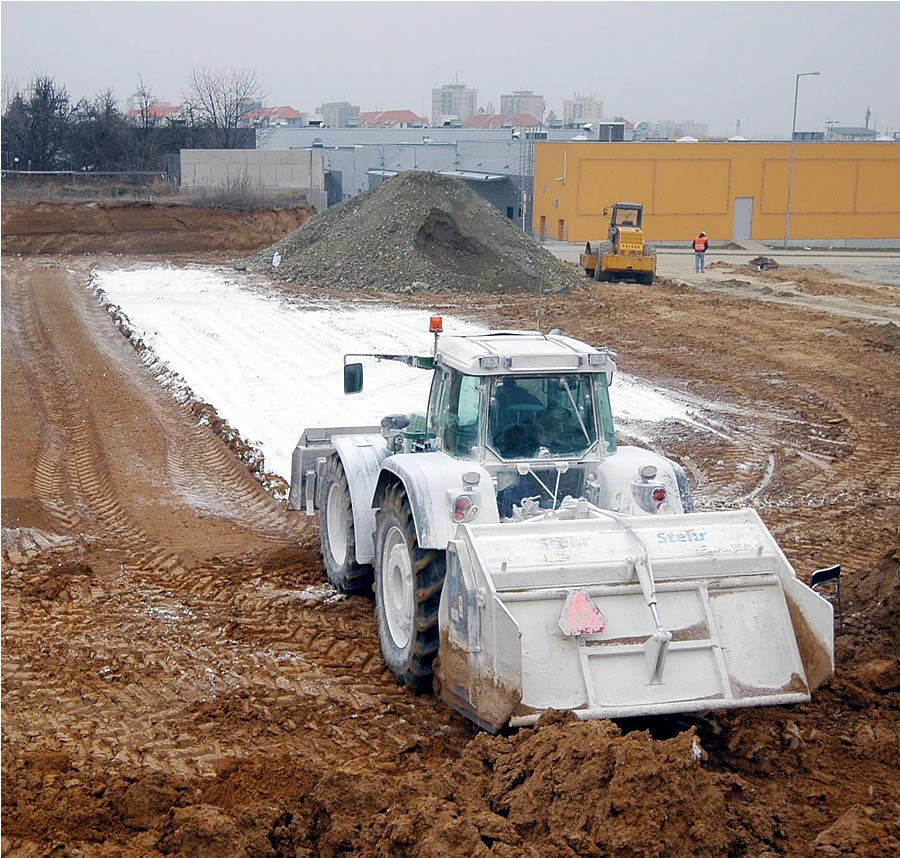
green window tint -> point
(437, 406)
(462, 421)
(604, 409)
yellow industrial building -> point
(841, 193)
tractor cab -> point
(502, 418)
(539, 432)
(625, 215)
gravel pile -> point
(417, 231)
(762, 263)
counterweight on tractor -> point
(625, 254)
(527, 559)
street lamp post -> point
(787, 209)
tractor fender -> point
(361, 456)
(622, 488)
(432, 482)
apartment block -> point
(454, 100)
(582, 109)
(522, 101)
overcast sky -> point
(712, 62)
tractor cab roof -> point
(522, 352)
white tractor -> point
(529, 561)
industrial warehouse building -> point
(842, 194)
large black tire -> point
(603, 247)
(587, 249)
(408, 582)
(338, 535)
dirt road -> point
(179, 680)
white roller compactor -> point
(526, 560)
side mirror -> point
(353, 377)
(605, 212)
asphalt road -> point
(871, 266)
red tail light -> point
(461, 507)
(659, 494)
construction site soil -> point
(178, 679)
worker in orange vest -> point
(700, 243)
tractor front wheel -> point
(408, 583)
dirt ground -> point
(178, 679)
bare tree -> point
(10, 89)
(218, 99)
(144, 119)
(145, 101)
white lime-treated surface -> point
(272, 368)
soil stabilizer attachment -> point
(614, 617)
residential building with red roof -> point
(501, 120)
(390, 119)
(282, 117)
(157, 113)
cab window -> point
(604, 412)
(437, 408)
(461, 425)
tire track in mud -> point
(203, 470)
(781, 462)
(816, 454)
(71, 462)
(162, 665)
(208, 477)
(181, 683)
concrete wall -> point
(352, 166)
(299, 138)
(302, 169)
(840, 191)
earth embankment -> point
(143, 227)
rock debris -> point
(417, 231)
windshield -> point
(627, 217)
(536, 416)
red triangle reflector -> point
(580, 616)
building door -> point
(333, 187)
(743, 218)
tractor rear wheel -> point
(408, 583)
(337, 533)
